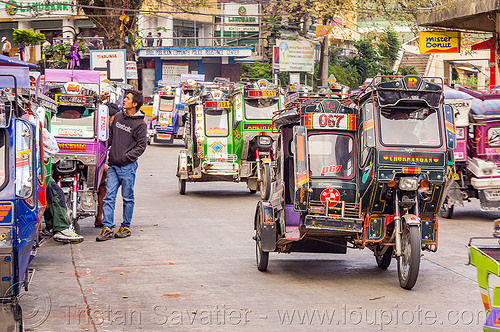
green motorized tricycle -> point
(254, 105)
(209, 138)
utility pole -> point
(324, 62)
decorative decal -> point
(72, 146)
(332, 195)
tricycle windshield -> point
(410, 127)
(216, 123)
(73, 122)
(262, 108)
(331, 155)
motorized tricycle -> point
(477, 157)
(167, 121)
(209, 137)
(484, 254)
(80, 127)
(367, 176)
(254, 105)
(21, 191)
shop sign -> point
(237, 13)
(132, 70)
(439, 41)
(15, 8)
(195, 52)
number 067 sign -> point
(335, 121)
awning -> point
(14, 77)
(8, 61)
(68, 75)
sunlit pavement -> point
(190, 264)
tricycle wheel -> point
(384, 260)
(262, 256)
(446, 210)
(182, 186)
(76, 226)
(252, 191)
(409, 261)
(265, 183)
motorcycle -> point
(477, 157)
(81, 129)
(370, 174)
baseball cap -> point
(4, 38)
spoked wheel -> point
(262, 256)
(384, 260)
(265, 183)
(446, 210)
(182, 186)
(409, 261)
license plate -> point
(164, 136)
(492, 194)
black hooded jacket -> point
(127, 137)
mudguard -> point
(268, 227)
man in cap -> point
(6, 46)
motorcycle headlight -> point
(264, 140)
(408, 184)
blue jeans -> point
(117, 176)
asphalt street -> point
(190, 265)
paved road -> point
(190, 264)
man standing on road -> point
(127, 138)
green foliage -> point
(407, 70)
(256, 70)
(27, 37)
(454, 74)
(57, 54)
(346, 75)
(388, 46)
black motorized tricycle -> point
(366, 174)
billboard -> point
(439, 42)
(296, 55)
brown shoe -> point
(123, 232)
(106, 233)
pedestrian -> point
(112, 111)
(149, 40)
(158, 41)
(6, 46)
(94, 43)
(127, 138)
(46, 43)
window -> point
(260, 109)
(73, 122)
(493, 136)
(410, 127)
(216, 123)
(331, 155)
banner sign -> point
(110, 63)
(238, 13)
(132, 70)
(439, 42)
(296, 55)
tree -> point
(118, 27)
(388, 46)
(26, 38)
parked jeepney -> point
(477, 157)
(80, 127)
(254, 105)
(209, 137)
(167, 115)
(354, 177)
(21, 191)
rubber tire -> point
(265, 185)
(446, 211)
(262, 257)
(18, 317)
(182, 186)
(409, 263)
(149, 140)
(384, 261)
(252, 191)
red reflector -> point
(411, 170)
